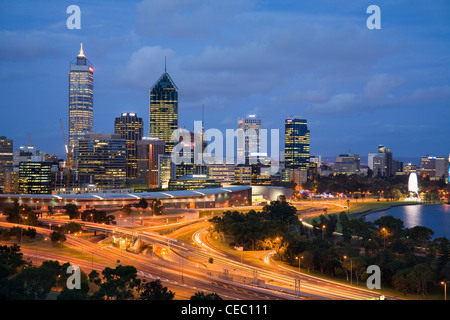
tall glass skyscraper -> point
(249, 139)
(81, 100)
(296, 144)
(130, 127)
(164, 110)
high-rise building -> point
(148, 150)
(381, 163)
(166, 170)
(164, 110)
(130, 127)
(35, 177)
(249, 139)
(296, 144)
(434, 167)
(6, 158)
(102, 160)
(81, 100)
(223, 172)
(243, 174)
(347, 164)
(11, 181)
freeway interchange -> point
(186, 268)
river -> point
(435, 217)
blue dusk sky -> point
(357, 87)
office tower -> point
(148, 150)
(11, 181)
(249, 139)
(222, 172)
(347, 164)
(81, 101)
(6, 158)
(164, 110)
(130, 128)
(35, 177)
(102, 160)
(434, 167)
(381, 163)
(296, 144)
(243, 174)
(166, 170)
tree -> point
(420, 235)
(157, 207)
(154, 290)
(57, 236)
(13, 213)
(73, 227)
(419, 278)
(117, 283)
(143, 203)
(72, 211)
(400, 281)
(11, 259)
(199, 295)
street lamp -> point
(299, 261)
(444, 283)
(351, 269)
(384, 236)
(323, 230)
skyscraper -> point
(6, 158)
(148, 151)
(296, 144)
(35, 177)
(249, 139)
(130, 128)
(102, 160)
(81, 100)
(164, 110)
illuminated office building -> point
(148, 150)
(130, 128)
(164, 110)
(296, 144)
(6, 158)
(249, 139)
(102, 160)
(81, 100)
(35, 177)
(166, 170)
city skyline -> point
(380, 102)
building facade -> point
(81, 100)
(35, 177)
(249, 140)
(6, 158)
(102, 160)
(347, 164)
(131, 128)
(296, 144)
(164, 110)
(148, 151)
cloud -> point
(431, 93)
(379, 85)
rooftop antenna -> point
(165, 63)
(29, 139)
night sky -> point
(357, 88)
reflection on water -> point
(413, 216)
(435, 217)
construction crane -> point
(70, 162)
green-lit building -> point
(35, 177)
(296, 144)
(164, 110)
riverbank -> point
(368, 208)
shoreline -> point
(358, 215)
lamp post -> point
(444, 283)
(351, 269)
(299, 262)
(323, 230)
(384, 236)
